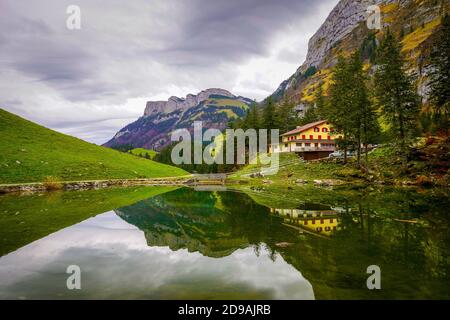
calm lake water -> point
(168, 243)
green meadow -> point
(32, 153)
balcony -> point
(312, 148)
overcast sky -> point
(91, 82)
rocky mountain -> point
(214, 107)
(415, 22)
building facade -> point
(312, 141)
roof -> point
(304, 128)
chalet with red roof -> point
(312, 141)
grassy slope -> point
(30, 217)
(29, 153)
(293, 168)
(143, 152)
(429, 166)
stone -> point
(328, 182)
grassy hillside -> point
(291, 168)
(30, 153)
(141, 152)
(427, 165)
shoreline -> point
(190, 180)
(92, 184)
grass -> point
(414, 39)
(52, 183)
(293, 168)
(429, 166)
(27, 217)
(31, 153)
(143, 152)
(227, 102)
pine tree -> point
(440, 76)
(340, 113)
(253, 117)
(269, 116)
(366, 120)
(286, 117)
(319, 98)
(394, 89)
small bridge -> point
(209, 179)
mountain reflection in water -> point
(188, 244)
(116, 262)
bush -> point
(52, 183)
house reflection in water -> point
(321, 220)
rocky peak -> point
(345, 16)
(176, 103)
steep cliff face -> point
(341, 21)
(214, 107)
(345, 30)
(175, 103)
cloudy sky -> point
(91, 82)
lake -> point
(217, 243)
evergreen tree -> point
(397, 98)
(440, 76)
(365, 118)
(253, 117)
(269, 116)
(363, 114)
(342, 106)
(286, 117)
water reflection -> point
(116, 262)
(219, 244)
(312, 218)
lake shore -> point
(93, 184)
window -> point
(329, 138)
(320, 137)
(286, 145)
(316, 129)
(298, 144)
(324, 130)
(311, 137)
(307, 144)
(316, 144)
(321, 221)
(303, 137)
(313, 221)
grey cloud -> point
(130, 49)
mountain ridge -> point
(215, 107)
(345, 30)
